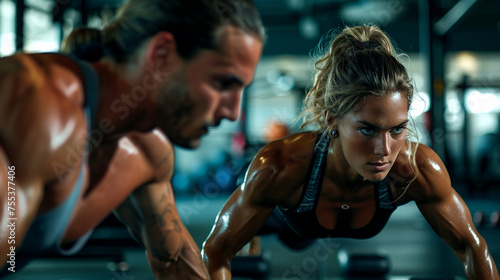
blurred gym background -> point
(453, 49)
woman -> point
(347, 177)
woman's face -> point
(372, 134)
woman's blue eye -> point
(398, 130)
(367, 131)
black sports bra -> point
(302, 218)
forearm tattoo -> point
(165, 170)
(160, 220)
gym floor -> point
(411, 246)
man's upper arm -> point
(150, 211)
(19, 201)
(29, 141)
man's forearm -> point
(188, 265)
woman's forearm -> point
(479, 264)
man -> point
(69, 156)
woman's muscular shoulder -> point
(426, 178)
(433, 180)
(41, 115)
(278, 170)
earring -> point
(335, 133)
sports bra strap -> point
(316, 173)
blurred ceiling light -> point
(281, 81)
(467, 62)
(285, 83)
(453, 106)
(309, 27)
(477, 102)
(7, 35)
(378, 11)
(453, 115)
(7, 46)
(41, 46)
(273, 75)
(452, 16)
(421, 103)
(295, 5)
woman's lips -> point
(379, 166)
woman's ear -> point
(329, 120)
(331, 124)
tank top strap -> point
(91, 89)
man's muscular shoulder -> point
(41, 114)
(157, 150)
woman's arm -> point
(270, 181)
(239, 220)
(450, 217)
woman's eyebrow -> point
(378, 127)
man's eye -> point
(224, 84)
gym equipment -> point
(479, 218)
(433, 278)
(366, 266)
(495, 219)
(253, 267)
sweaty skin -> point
(130, 167)
(369, 137)
(41, 120)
